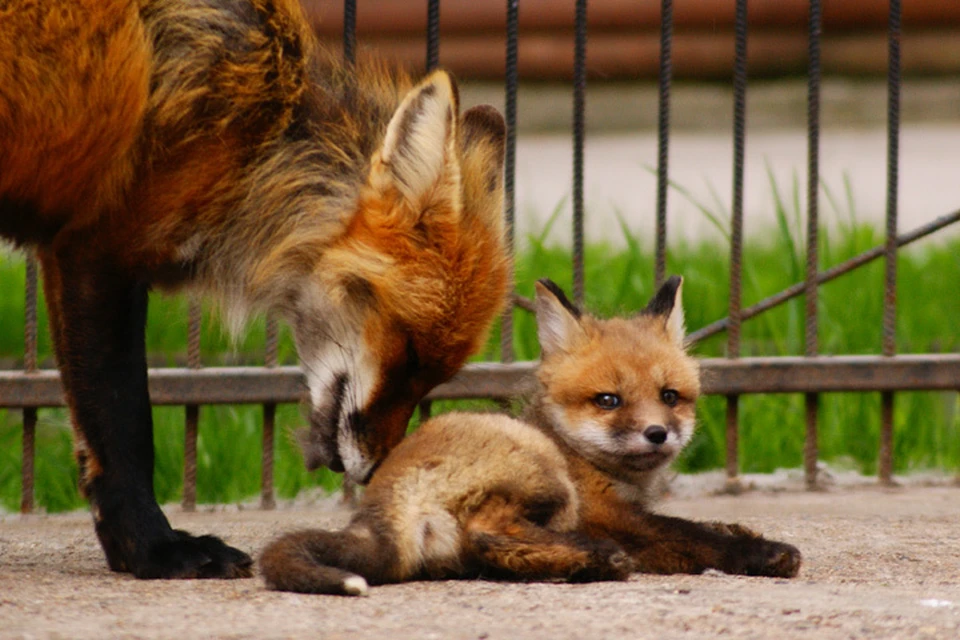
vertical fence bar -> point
(267, 500)
(736, 234)
(350, 30)
(885, 463)
(426, 409)
(433, 60)
(433, 34)
(189, 502)
(510, 164)
(29, 444)
(349, 54)
(663, 139)
(579, 90)
(811, 346)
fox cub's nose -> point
(656, 434)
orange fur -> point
(566, 495)
(214, 144)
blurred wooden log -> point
(700, 55)
(410, 16)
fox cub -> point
(564, 495)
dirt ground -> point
(878, 563)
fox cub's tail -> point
(332, 562)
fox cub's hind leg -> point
(502, 543)
(332, 562)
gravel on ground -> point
(878, 563)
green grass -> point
(927, 425)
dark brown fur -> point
(565, 495)
(214, 144)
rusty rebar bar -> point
(510, 164)
(824, 276)
(885, 463)
(192, 411)
(579, 125)
(811, 347)
(267, 497)
(433, 34)
(663, 138)
(349, 30)
(736, 235)
(29, 441)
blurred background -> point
(622, 66)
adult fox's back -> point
(213, 143)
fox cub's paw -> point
(731, 529)
(757, 556)
(607, 562)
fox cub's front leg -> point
(661, 544)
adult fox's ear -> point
(482, 142)
(558, 320)
(482, 136)
(418, 155)
(668, 303)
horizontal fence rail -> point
(721, 376)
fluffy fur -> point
(214, 144)
(563, 495)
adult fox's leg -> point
(98, 316)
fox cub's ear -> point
(419, 149)
(558, 320)
(669, 303)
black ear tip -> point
(665, 298)
(548, 283)
(486, 117)
(670, 286)
(558, 293)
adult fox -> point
(213, 143)
(565, 495)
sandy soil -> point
(879, 563)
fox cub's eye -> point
(607, 401)
(670, 397)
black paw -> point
(761, 557)
(187, 556)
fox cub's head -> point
(416, 280)
(621, 392)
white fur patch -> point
(356, 586)
(438, 537)
(424, 122)
(676, 325)
(325, 359)
(189, 249)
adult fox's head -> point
(620, 392)
(415, 281)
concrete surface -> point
(879, 563)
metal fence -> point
(193, 386)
